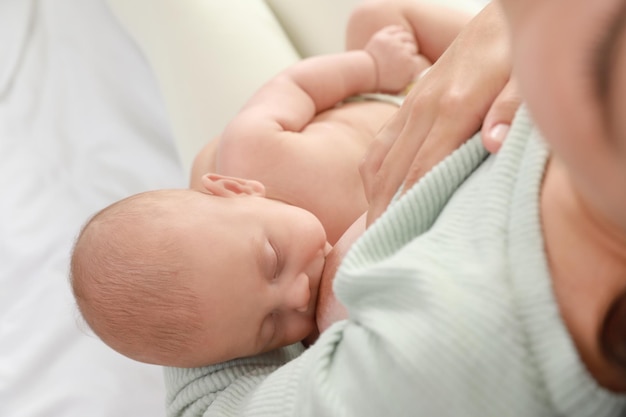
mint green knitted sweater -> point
(451, 313)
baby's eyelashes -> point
(270, 262)
(275, 261)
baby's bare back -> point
(331, 185)
(316, 168)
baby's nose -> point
(299, 294)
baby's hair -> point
(129, 282)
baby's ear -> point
(223, 186)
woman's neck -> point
(587, 260)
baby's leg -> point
(369, 17)
(433, 26)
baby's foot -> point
(395, 53)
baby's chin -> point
(311, 338)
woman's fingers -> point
(447, 133)
(388, 159)
(445, 107)
(434, 120)
(500, 116)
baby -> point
(180, 276)
(231, 267)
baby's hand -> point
(395, 54)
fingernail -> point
(499, 132)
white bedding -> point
(82, 124)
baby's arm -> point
(286, 103)
(291, 99)
(433, 26)
(264, 131)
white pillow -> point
(209, 56)
(81, 125)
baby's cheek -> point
(299, 328)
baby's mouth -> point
(315, 279)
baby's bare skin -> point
(299, 138)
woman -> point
(476, 293)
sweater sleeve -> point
(223, 389)
(364, 357)
(435, 326)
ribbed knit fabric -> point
(451, 313)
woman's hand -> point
(469, 85)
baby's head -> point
(189, 278)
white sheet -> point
(81, 125)
(211, 55)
